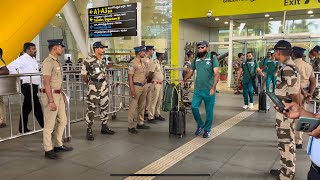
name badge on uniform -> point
(97, 70)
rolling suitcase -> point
(263, 99)
(177, 118)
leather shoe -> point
(50, 155)
(299, 146)
(62, 148)
(133, 130)
(143, 126)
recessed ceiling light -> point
(226, 22)
(311, 15)
(157, 22)
(162, 19)
(310, 12)
(217, 19)
(155, 18)
(267, 15)
(271, 18)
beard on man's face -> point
(201, 54)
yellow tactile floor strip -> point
(167, 161)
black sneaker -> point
(160, 118)
(50, 155)
(143, 126)
(133, 130)
(275, 172)
(152, 121)
(299, 146)
(2, 125)
(62, 148)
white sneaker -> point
(251, 106)
(245, 107)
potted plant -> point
(223, 73)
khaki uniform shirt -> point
(94, 68)
(138, 70)
(51, 66)
(157, 69)
(305, 71)
(147, 61)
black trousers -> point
(313, 174)
(27, 106)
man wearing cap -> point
(94, 74)
(272, 69)
(138, 90)
(248, 72)
(316, 60)
(53, 101)
(264, 67)
(147, 60)
(205, 87)
(307, 83)
(288, 86)
(157, 76)
(3, 112)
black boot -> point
(50, 155)
(106, 130)
(90, 136)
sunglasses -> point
(201, 47)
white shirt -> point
(314, 150)
(25, 64)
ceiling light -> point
(162, 19)
(267, 15)
(157, 22)
(311, 15)
(217, 19)
(226, 22)
(310, 12)
(271, 18)
(155, 18)
(126, 0)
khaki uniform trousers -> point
(53, 120)
(148, 98)
(140, 101)
(3, 111)
(156, 100)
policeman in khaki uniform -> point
(288, 86)
(307, 82)
(138, 90)
(3, 112)
(156, 91)
(147, 60)
(94, 73)
(53, 101)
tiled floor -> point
(246, 151)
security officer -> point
(94, 73)
(307, 82)
(147, 60)
(272, 69)
(138, 89)
(205, 87)
(237, 67)
(288, 86)
(156, 91)
(53, 101)
(295, 111)
(3, 112)
(248, 72)
(316, 59)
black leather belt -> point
(97, 80)
(139, 84)
(315, 167)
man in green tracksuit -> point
(248, 71)
(273, 66)
(205, 86)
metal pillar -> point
(230, 53)
(72, 17)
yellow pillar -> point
(22, 20)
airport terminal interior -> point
(242, 143)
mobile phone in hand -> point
(306, 124)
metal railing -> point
(75, 92)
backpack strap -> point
(292, 67)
